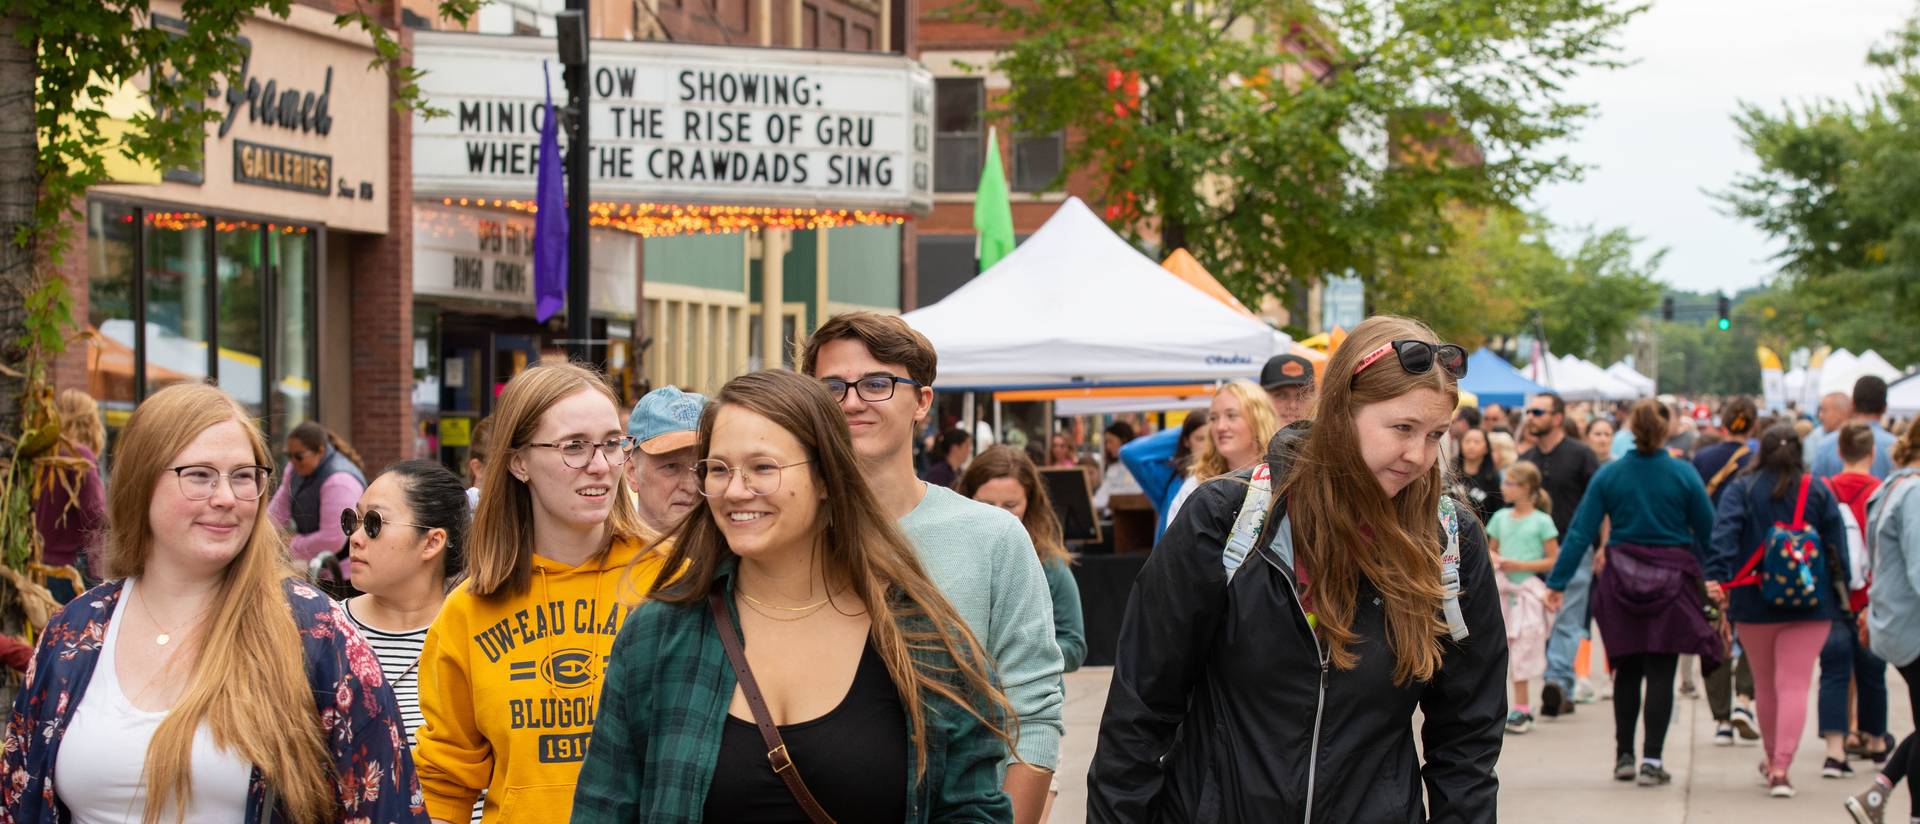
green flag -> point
(992, 211)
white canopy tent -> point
(1076, 305)
(1577, 380)
(1838, 373)
(1903, 398)
(1872, 364)
(1632, 377)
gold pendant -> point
(162, 639)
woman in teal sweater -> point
(1648, 598)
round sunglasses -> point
(350, 521)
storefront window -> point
(289, 252)
(241, 295)
(222, 297)
(112, 239)
(177, 320)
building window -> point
(175, 296)
(833, 31)
(810, 26)
(946, 263)
(1037, 160)
(859, 38)
(959, 139)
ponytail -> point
(313, 436)
(341, 447)
(1526, 474)
(1780, 454)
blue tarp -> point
(1495, 381)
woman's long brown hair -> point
(1344, 525)
(500, 545)
(927, 647)
(248, 681)
(1043, 526)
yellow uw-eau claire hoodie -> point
(510, 686)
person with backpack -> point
(1777, 543)
(1296, 615)
(1845, 660)
(1892, 619)
(1656, 545)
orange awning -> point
(1182, 265)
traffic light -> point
(1725, 321)
(1666, 308)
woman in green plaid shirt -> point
(870, 675)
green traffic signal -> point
(1725, 324)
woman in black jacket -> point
(1276, 679)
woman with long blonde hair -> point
(510, 675)
(206, 682)
(1285, 690)
(1240, 422)
(801, 662)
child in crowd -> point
(1524, 544)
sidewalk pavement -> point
(1562, 772)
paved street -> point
(1562, 772)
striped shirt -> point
(399, 654)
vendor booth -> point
(1496, 381)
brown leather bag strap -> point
(777, 756)
(1732, 464)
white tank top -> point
(98, 773)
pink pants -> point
(1783, 656)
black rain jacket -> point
(1222, 708)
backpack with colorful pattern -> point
(1785, 567)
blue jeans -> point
(1569, 627)
(1843, 659)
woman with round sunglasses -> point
(406, 539)
(1649, 598)
(511, 672)
(802, 666)
(206, 681)
(1269, 669)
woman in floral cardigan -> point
(205, 680)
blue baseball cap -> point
(666, 420)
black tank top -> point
(854, 760)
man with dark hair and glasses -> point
(881, 373)
(665, 425)
(1566, 466)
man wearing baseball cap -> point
(1288, 380)
(665, 423)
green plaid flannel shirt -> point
(663, 707)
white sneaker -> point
(1583, 692)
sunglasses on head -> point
(350, 521)
(1417, 357)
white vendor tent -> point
(1641, 383)
(1903, 398)
(1577, 380)
(1075, 305)
(1872, 364)
(1839, 372)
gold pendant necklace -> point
(166, 634)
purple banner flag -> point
(550, 218)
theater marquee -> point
(683, 123)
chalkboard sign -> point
(1072, 502)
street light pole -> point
(572, 29)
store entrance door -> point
(475, 365)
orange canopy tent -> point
(1185, 267)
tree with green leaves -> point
(60, 61)
(1839, 187)
(1504, 274)
(1282, 140)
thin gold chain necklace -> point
(813, 606)
(814, 610)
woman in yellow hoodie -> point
(510, 675)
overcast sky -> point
(1664, 135)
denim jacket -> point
(373, 773)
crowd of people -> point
(763, 604)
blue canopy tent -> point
(1496, 381)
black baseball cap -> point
(1286, 370)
